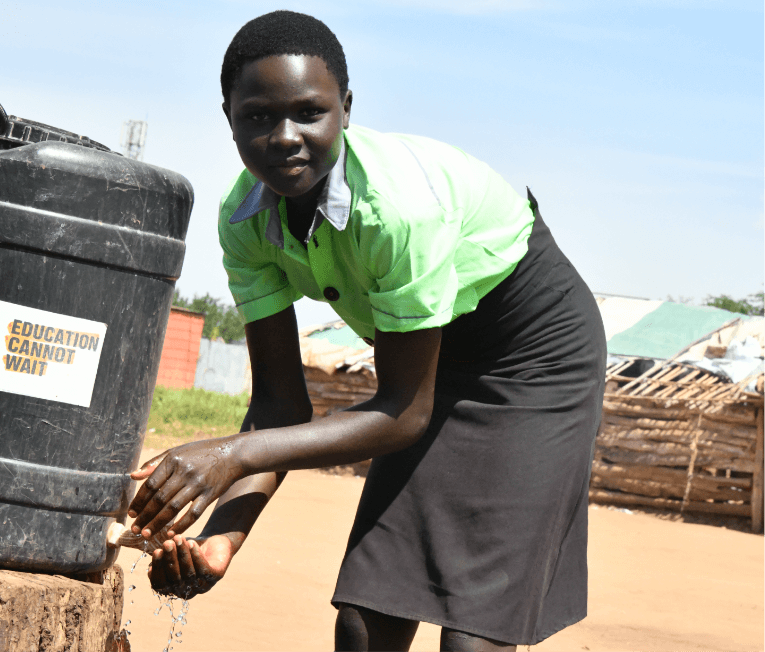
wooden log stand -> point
(52, 613)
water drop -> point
(135, 563)
(131, 587)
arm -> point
(279, 399)
(395, 418)
(186, 567)
(392, 420)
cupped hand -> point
(195, 474)
(188, 567)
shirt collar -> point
(334, 203)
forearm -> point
(237, 510)
(368, 430)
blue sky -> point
(638, 125)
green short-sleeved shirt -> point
(409, 234)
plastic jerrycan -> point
(91, 244)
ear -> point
(347, 109)
(227, 111)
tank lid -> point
(15, 132)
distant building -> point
(178, 364)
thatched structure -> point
(678, 437)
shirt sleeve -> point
(259, 286)
(412, 259)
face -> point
(287, 119)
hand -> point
(188, 567)
(195, 473)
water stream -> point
(176, 621)
(165, 601)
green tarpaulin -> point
(342, 336)
(667, 330)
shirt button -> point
(331, 294)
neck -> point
(301, 210)
(306, 204)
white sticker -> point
(48, 355)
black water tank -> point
(91, 244)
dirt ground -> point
(655, 584)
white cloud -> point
(728, 5)
(455, 7)
(694, 5)
(473, 7)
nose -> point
(286, 134)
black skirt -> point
(481, 526)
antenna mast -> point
(133, 138)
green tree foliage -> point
(751, 305)
(221, 320)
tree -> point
(221, 320)
(754, 304)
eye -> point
(312, 112)
(259, 116)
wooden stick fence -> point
(678, 437)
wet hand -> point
(194, 474)
(188, 567)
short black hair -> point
(283, 32)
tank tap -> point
(120, 535)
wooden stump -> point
(52, 613)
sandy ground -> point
(654, 584)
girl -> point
(490, 358)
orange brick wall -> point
(180, 351)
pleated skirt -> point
(481, 526)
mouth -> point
(291, 166)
